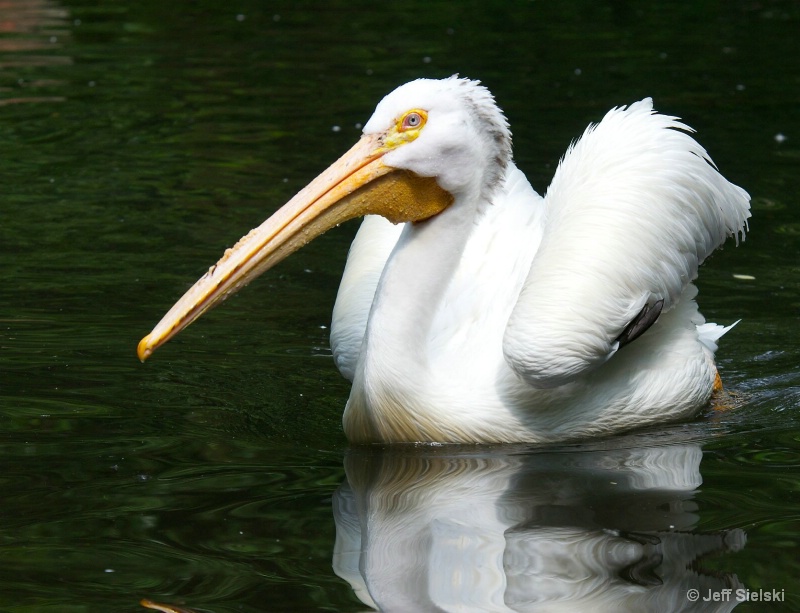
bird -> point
(474, 310)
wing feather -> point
(374, 241)
(634, 208)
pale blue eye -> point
(412, 120)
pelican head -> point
(461, 133)
(411, 163)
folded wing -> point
(635, 207)
(365, 263)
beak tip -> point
(144, 350)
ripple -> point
(33, 39)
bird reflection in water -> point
(438, 528)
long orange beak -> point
(357, 184)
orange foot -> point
(717, 383)
(721, 399)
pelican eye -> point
(413, 120)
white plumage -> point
(501, 316)
(535, 291)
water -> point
(141, 139)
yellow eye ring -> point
(413, 120)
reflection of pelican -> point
(490, 313)
(441, 530)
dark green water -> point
(140, 139)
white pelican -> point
(481, 312)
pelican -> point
(472, 309)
